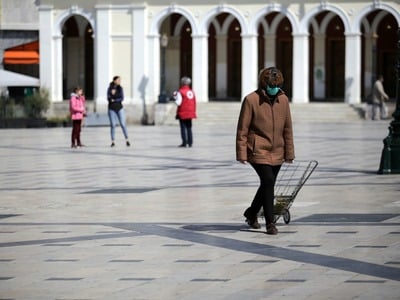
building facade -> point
(327, 50)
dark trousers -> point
(76, 132)
(186, 131)
(265, 194)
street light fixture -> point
(390, 159)
(162, 98)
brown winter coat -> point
(264, 130)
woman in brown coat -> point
(265, 140)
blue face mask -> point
(272, 90)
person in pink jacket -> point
(78, 112)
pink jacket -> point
(77, 107)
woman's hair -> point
(271, 76)
(112, 83)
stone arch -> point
(253, 25)
(355, 26)
(64, 16)
(72, 72)
(163, 14)
(204, 24)
(305, 21)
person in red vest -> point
(185, 99)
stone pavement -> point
(155, 221)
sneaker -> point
(128, 144)
(112, 144)
(271, 229)
(182, 146)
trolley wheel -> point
(286, 216)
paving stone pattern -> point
(154, 221)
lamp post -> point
(390, 159)
(162, 98)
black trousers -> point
(265, 194)
(76, 132)
(186, 132)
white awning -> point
(8, 78)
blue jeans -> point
(113, 116)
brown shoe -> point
(253, 223)
(271, 229)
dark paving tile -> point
(192, 261)
(4, 216)
(354, 218)
(304, 246)
(136, 279)
(126, 260)
(62, 260)
(123, 191)
(370, 246)
(342, 232)
(57, 245)
(258, 261)
(210, 280)
(64, 278)
(177, 245)
(286, 280)
(117, 245)
(392, 263)
(365, 281)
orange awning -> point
(21, 57)
(23, 54)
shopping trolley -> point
(291, 178)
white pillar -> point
(353, 69)
(249, 64)
(222, 66)
(319, 66)
(102, 54)
(139, 55)
(47, 73)
(269, 50)
(173, 66)
(200, 67)
(300, 68)
(368, 69)
(58, 68)
(153, 62)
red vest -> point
(187, 109)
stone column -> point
(353, 69)
(222, 66)
(139, 56)
(200, 67)
(319, 66)
(249, 64)
(46, 69)
(300, 68)
(102, 69)
(269, 50)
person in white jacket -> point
(379, 108)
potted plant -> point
(34, 107)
